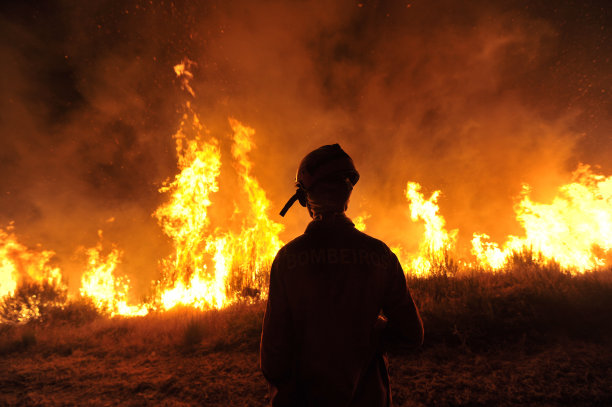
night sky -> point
(471, 98)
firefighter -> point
(336, 296)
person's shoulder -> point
(371, 241)
(378, 250)
(292, 245)
(286, 252)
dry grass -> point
(530, 335)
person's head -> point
(330, 195)
(324, 181)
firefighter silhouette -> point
(336, 297)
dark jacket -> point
(321, 337)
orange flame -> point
(574, 230)
(437, 242)
(213, 267)
(99, 282)
(360, 221)
(184, 219)
(258, 241)
(19, 264)
(238, 258)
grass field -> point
(531, 335)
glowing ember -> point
(182, 71)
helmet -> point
(320, 164)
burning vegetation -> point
(217, 262)
(446, 107)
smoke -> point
(472, 99)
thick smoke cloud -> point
(472, 99)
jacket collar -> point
(330, 221)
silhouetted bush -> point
(193, 334)
(32, 301)
(12, 340)
(531, 302)
(46, 303)
(75, 312)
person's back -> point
(322, 330)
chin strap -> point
(289, 204)
(300, 195)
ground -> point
(531, 335)
(565, 374)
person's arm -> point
(404, 327)
(276, 352)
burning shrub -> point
(46, 302)
(75, 311)
(33, 301)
